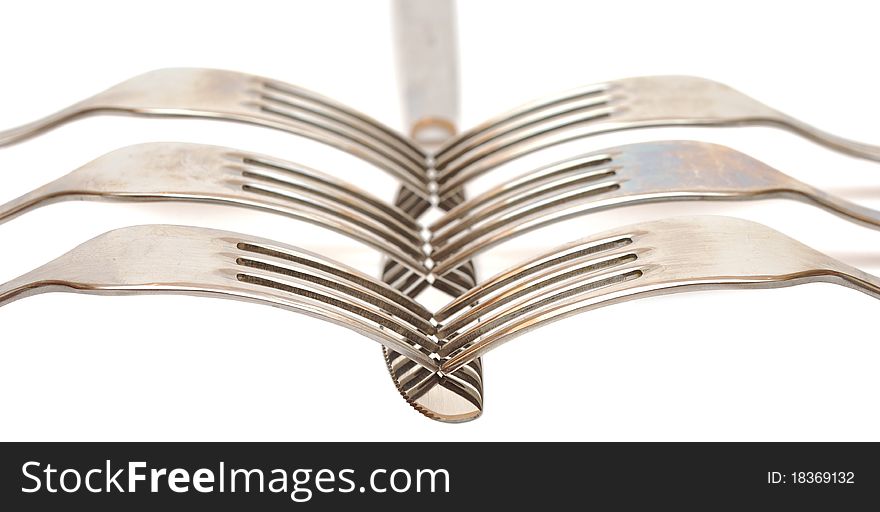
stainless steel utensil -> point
(233, 96)
(618, 105)
(643, 260)
(428, 73)
(648, 259)
(194, 172)
(158, 259)
(434, 359)
(622, 176)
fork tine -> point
(287, 195)
(638, 173)
(454, 145)
(333, 194)
(524, 273)
(507, 200)
(341, 138)
(637, 102)
(287, 274)
(315, 263)
(527, 308)
(188, 172)
(579, 104)
(280, 107)
(369, 203)
(232, 96)
(586, 258)
(413, 204)
(540, 285)
(523, 142)
(671, 256)
(321, 105)
(542, 213)
(578, 296)
(195, 261)
(644, 172)
(379, 317)
(552, 171)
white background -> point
(791, 364)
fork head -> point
(622, 104)
(631, 174)
(176, 171)
(233, 96)
(654, 258)
(683, 100)
(651, 98)
(182, 90)
(196, 261)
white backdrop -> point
(789, 364)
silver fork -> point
(626, 175)
(655, 258)
(193, 172)
(428, 75)
(618, 105)
(643, 260)
(160, 259)
(233, 96)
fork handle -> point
(26, 131)
(52, 192)
(32, 283)
(841, 207)
(856, 279)
(829, 140)
(427, 54)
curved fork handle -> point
(860, 281)
(829, 140)
(64, 116)
(32, 283)
(841, 207)
(52, 192)
(17, 289)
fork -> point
(618, 105)
(160, 259)
(654, 258)
(428, 76)
(193, 172)
(626, 175)
(649, 259)
(233, 96)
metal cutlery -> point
(434, 358)
(194, 172)
(653, 258)
(158, 259)
(626, 175)
(617, 105)
(428, 75)
(648, 259)
(233, 96)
